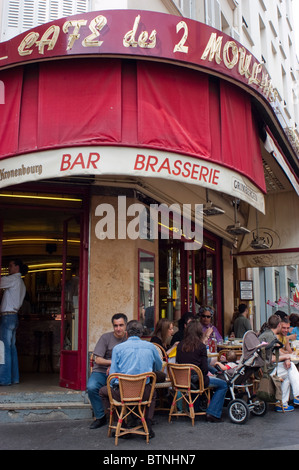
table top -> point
(229, 345)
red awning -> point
(79, 102)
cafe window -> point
(189, 278)
(146, 275)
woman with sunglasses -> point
(205, 315)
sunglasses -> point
(206, 316)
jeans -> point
(96, 381)
(219, 392)
(9, 372)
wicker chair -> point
(162, 387)
(162, 352)
(131, 388)
(180, 376)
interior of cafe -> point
(43, 230)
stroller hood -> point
(251, 343)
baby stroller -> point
(239, 383)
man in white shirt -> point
(13, 296)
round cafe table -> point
(229, 345)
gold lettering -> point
(180, 47)
(142, 40)
(244, 62)
(76, 24)
(96, 25)
(256, 69)
(27, 43)
(230, 63)
(213, 49)
(129, 38)
(47, 41)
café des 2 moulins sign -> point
(141, 34)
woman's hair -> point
(184, 320)
(192, 336)
(161, 329)
(294, 319)
(204, 309)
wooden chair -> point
(162, 352)
(131, 389)
(180, 376)
(161, 387)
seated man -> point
(102, 361)
(134, 357)
(286, 370)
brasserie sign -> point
(147, 35)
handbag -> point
(270, 385)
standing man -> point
(102, 361)
(13, 296)
(134, 357)
(242, 322)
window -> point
(146, 285)
(21, 15)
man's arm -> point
(101, 361)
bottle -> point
(213, 343)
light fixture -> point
(210, 209)
(35, 240)
(258, 243)
(51, 198)
(236, 228)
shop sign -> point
(130, 161)
(145, 34)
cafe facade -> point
(122, 133)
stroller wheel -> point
(238, 411)
(260, 408)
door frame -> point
(84, 193)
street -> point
(274, 431)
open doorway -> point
(45, 231)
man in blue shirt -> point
(133, 357)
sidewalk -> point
(273, 431)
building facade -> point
(120, 119)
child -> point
(229, 363)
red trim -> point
(84, 276)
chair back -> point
(131, 387)
(162, 352)
(180, 375)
